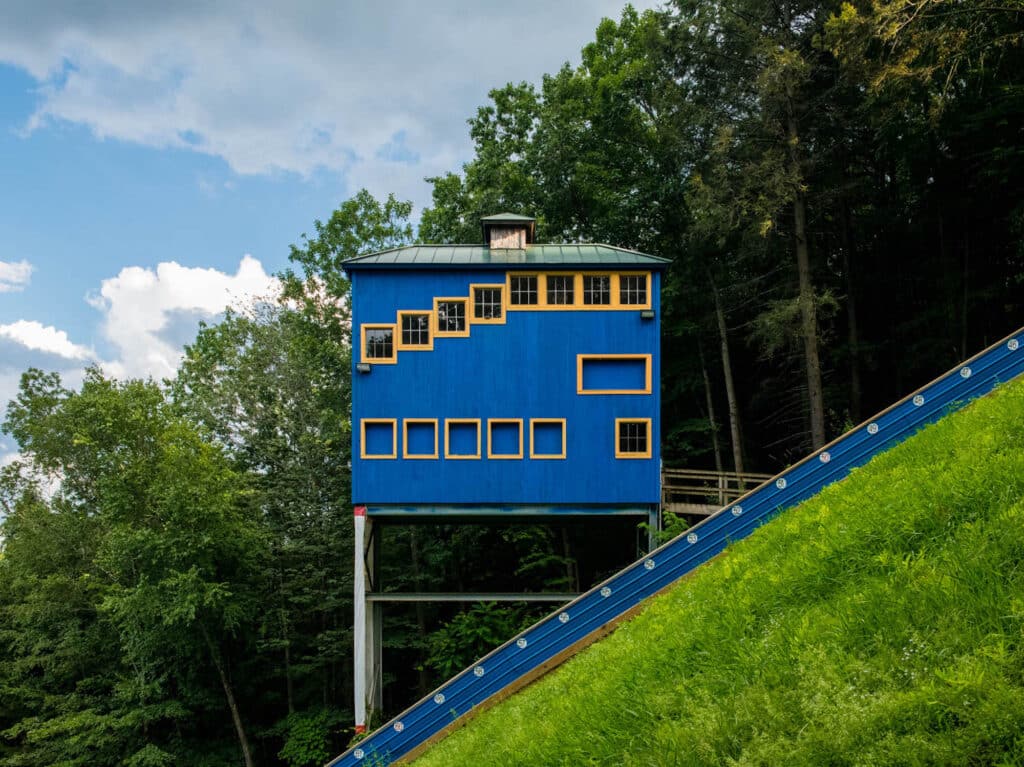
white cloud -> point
(149, 314)
(14, 276)
(295, 86)
(37, 337)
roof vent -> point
(507, 230)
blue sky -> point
(158, 159)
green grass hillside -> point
(880, 623)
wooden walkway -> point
(693, 492)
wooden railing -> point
(707, 488)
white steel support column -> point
(359, 619)
(367, 622)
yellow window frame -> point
(363, 423)
(617, 291)
(581, 358)
(448, 422)
(541, 295)
(394, 343)
(546, 456)
(612, 285)
(405, 438)
(503, 456)
(577, 290)
(402, 347)
(472, 303)
(438, 333)
(647, 423)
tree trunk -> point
(288, 682)
(716, 448)
(423, 681)
(229, 694)
(808, 310)
(852, 329)
(730, 388)
(571, 573)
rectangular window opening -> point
(505, 438)
(613, 373)
(414, 330)
(597, 289)
(633, 290)
(378, 438)
(450, 316)
(632, 437)
(561, 289)
(488, 303)
(523, 290)
(547, 438)
(419, 438)
(378, 343)
(462, 438)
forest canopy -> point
(840, 187)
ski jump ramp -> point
(557, 637)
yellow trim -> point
(447, 438)
(399, 346)
(617, 292)
(647, 423)
(577, 284)
(362, 343)
(533, 423)
(509, 306)
(362, 438)
(580, 358)
(451, 333)
(490, 450)
(472, 303)
(577, 305)
(612, 283)
(405, 437)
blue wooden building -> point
(508, 378)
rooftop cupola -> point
(508, 230)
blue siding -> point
(525, 368)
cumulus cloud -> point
(377, 92)
(148, 315)
(36, 337)
(14, 275)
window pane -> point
(561, 289)
(487, 303)
(633, 437)
(451, 316)
(416, 329)
(597, 289)
(524, 290)
(633, 289)
(379, 343)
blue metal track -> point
(552, 639)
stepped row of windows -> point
(487, 304)
(464, 437)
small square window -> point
(633, 290)
(414, 330)
(523, 289)
(419, 438)
(378, 343)
(632, 437)
(561, 289)
(462, 438)
(597, 289)
(450, 316)
(378, 438)
(505, 438)
(488, 303)
(547, 438)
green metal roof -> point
(507, 218)
(533, 256)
